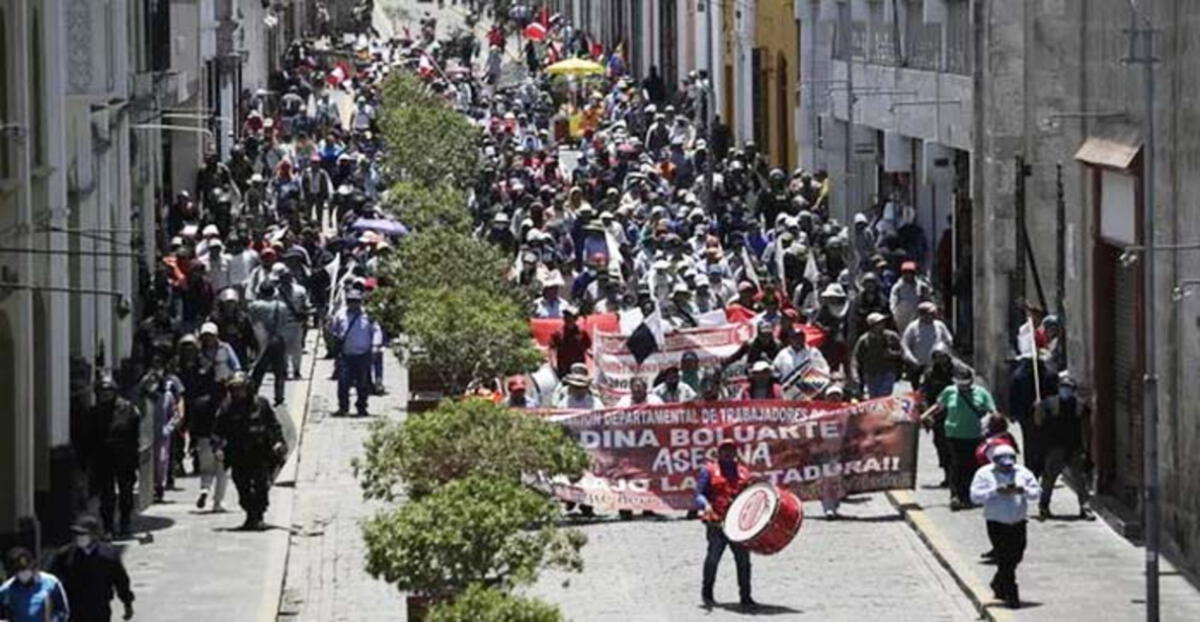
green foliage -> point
(460, 334)
(428, 142)
(462, 439)
(483, 604)
(435, 259)
(427, 208)
(405, 89)
(488, 531)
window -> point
(960, 44)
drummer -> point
(719, 482)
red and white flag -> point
(535, 31)
(336, 76)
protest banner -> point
(615, 365)
(647, 458)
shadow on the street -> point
(1025, 604)
(149, 522)
(847, 518)
(761, 610)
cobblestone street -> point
(867, 565)
(325, 580)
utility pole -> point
(709, 104)
(1150, 498)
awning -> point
(1113, 145)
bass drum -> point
(764, 519)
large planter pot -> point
(418, 607)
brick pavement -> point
(188, 564)
(325, 580)
(1073, 570)
(867, 565)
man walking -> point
(358, 336)
(716, 486)
(109, 450)
(30, 595)
(91, 571)
(960, 408)
(1061, 420)
(876, 359)
(270, 317)
(1005, 489)
(252, 444)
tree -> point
(487, 531)
(462, 334)
(430, 144)
(473, 437)
(483, 604)
(438, 259)
(425, 208)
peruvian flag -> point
(535, 31)
(337, 76)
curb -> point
(272, 600)
(978, 593)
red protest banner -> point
(647, 458)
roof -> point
(1113, 145)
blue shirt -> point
(358, 332)
(38, 601)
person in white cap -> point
(357, 337)
(1004, 489)
(876, 359)
(863, 240)
(921, 335)
(295, 297)
(549, 304)
(218, 353)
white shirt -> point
(241, 265)
(919, 339)
(682, 393)
(1001, 507)
(545, 309)
(627, 400)
(789, 359)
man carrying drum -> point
(719, 482)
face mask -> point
(1066, 393)
(25, 576)
(962, 386)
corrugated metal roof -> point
(1114, 145)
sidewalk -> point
(188, 564)
(1073, 569)
(325, 579)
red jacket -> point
(721, 491)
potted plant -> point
(484, 604)
(460, 439)
(487, 531)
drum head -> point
(751, 512)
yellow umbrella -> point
(575, 67)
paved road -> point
(325, 580)
(869, 564)
(189, 564)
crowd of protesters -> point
(262, 252)
(611, 195)
(619, 195)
